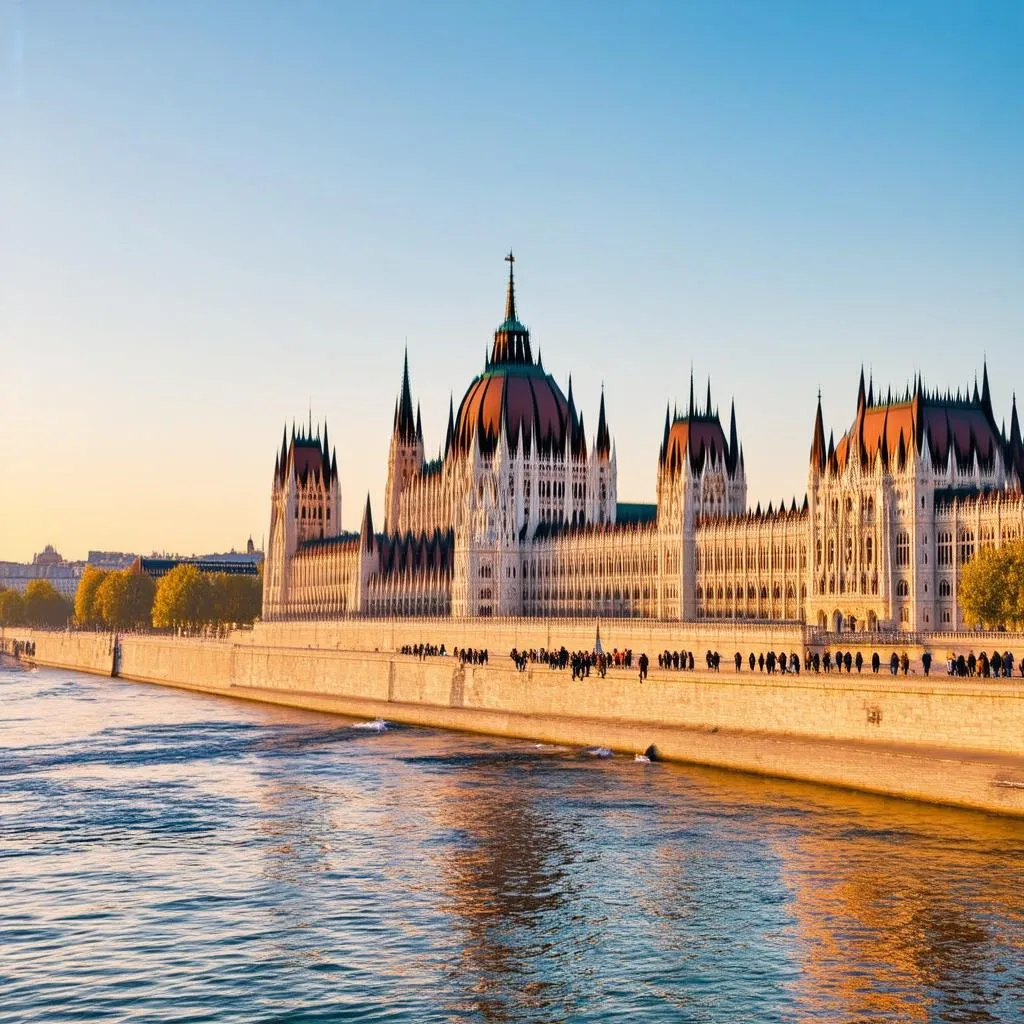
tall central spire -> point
(511, 339)
(510, 298)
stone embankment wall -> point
(939, 739)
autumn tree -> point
(235, 599)
(86, 611)
(124, 600)
(992, 587)
(12, 607)
(44, 605)
(183, 599)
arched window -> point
(902, 589)
(945, 546)
(966, 545)
(945, 588)
(902, 549)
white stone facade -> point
(520, 516)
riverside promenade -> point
(938, 739)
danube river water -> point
(166, 856)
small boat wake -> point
(642, 759)
(599, 752)
(377, 725)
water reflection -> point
(165, 853)
(510, 886)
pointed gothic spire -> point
(450, 435)
(405, 424)
(691, 409)
(862, 399)
(733, 454)
(419, 424)
(664, 439)
(986, 392)
(709, 397)
(871, 389)
(818, 454)
(366, 528)
(1014, 445)
(603, 439)
(510, 297)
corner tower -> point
(405, 456)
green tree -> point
(86, 611)
(44, 606)
(183, 599)
(12, 607)
(124, 600)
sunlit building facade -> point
(519, 516)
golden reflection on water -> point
(527, 879)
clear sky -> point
(214, 216)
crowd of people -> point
(988, 666)
(581, 662)
(466, 655)
(422, 651)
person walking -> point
(926, 662)
(642, 662)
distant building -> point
(233, 563)
(47, 565)
(519, 514)
(110, 559)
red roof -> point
(520, 399)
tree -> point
(124, 600)
(183, 599)
(86, 611)
(236, 599)
(44, 606)
(12, 607)
(992, 587)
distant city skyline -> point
(222, 218)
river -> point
(167, 856)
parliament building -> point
(520, 515)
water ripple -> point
(166, 856)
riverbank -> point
(938, 739)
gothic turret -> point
(603, 440)
(818, 453)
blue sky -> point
(214, 216)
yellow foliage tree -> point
(86, 612)
(124, 600)
(183, 599)
(992, 587)
(44, 606)
(12, 607)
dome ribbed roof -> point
(516, 396)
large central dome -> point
(516, 396)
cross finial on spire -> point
(510, 300)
